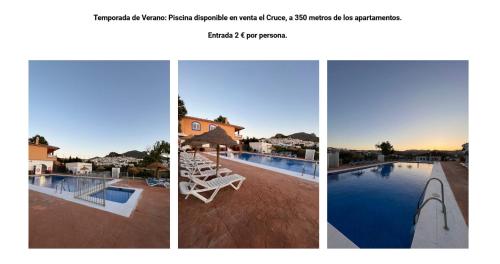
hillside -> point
(135, 154)
(132, 153)
(300, 135)
(305, 136)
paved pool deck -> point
(270, 210)
(57, 223)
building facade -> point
(262, 147)
(41, 158)
(79, 167)
(192, 126)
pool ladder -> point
(421, 205)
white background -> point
(430, 30)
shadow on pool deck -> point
(271, 210)
(57, 223)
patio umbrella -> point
(195, 145)
(218, 137)
(156, 166)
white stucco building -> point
(79, 167)
(262, 147)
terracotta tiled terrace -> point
(458, 177)
(270, 210)
(56, 223)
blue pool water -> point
(115, 194)
(374, 207)
(282, 163)
(51, 181)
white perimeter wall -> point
(48, 163)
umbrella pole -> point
(217, 168)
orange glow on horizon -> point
(409, 147)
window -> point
(195, 126)
(211, 127)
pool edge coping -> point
(310, 178)
(429, 231)
(359, 168)
(335, 239)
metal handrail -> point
(421, 204)
(425, 189)
(60, 184)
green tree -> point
(385, 147)
(157, 152)
(246, 143)
(181, 111)
(155, 155)
(221, 119)
(41, 140)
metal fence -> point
(98, 174)
(91, 189)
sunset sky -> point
(412, 104)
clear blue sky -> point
(413, 104)
(90, 108)
(265, 97)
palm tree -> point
(156, 154)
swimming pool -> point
(115, 194)
(51, 181)
(307, 167)
(374, 207)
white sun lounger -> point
(204, 174)
(215, 185)
(196, 169)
